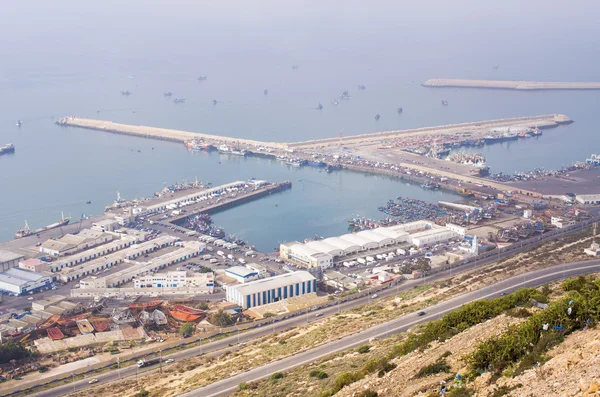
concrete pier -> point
(482, 127)
(513, 85)
(159, 133)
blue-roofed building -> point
(241, 274)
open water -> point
(73, 58)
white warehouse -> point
(272, 289)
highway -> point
(401, 324)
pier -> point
(164, 134)
(475, 127)
(230, 202)
(512, 85)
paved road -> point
(401, 324)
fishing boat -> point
(49, 322)
(145, 305)
(319, 106)
(9, 148)
(19, 123)
(185, 313)
(377, 116)
(430, 186)
(55, 333)
(266, 92)
(399, 109)
(26, 231)
(445, 102)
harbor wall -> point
(278, 187)
(511, 84)
(542, 122)
(159, 133)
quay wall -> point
(542, 122)
(444, 185)
(278, 187)
(158, 133)
(512, 85)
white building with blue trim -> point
(272, 289)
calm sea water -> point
(74, 59)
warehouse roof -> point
(16, 276)
(7, 256)
(324, 247)
(360, 241)
(377, 237)
(342, 244)
(304, 250)
(270, 283)
(241, 271)
(395, 234)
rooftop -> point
(241, 271)
(270, 283)
(6, 256)
(16, 276)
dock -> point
(512, 85)
(230, 202)
(481, 127)
(164, 134)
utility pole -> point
(73, 381)
(119, 367)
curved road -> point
(402, 324)
(227, 386)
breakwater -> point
(164, 134)
(481, 127)
(512, 85)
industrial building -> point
(96, 252)
(322, 253)
(106, 225)
(134, 251)
(190, 198)
(177, 279)
(241, 274)
(72, 243)
(190, 250)
(588, 198)
(34, 265)
(9, 260)
(432, 236)
(19, 281)
(272, 289)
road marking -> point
(362, 340)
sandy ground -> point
(574, 370)
(401, 381)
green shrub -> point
(343, 380)
(277, 375)
(460, 391)
(315, 373)
(527, 342)
(243, 386)
(367, 393)
(364, 349)
(435, 368)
